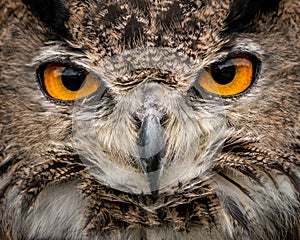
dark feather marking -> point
(296, 147)
(8, 162)
(52, 12)
(293, 234)
(113, 13)
(133, 31)
(233, 208)
(244, 190)
(242, 12)
(172, 15)
(142, 5)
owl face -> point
(135, 138)
(158, 119)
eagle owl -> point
(145, 119)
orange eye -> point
(68, 83)
(228, 78)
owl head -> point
(175, 118)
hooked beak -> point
(151, 146)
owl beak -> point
(151, 149)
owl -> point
(149, 120)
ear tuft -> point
(242, 12)
(52, 12)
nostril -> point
(137, 121)
(163, 120)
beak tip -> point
(154, 194)
(154, 182)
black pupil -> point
(73, 79)
(223, 73)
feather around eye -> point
(229, 77)
(67, 83)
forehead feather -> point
(106, 27)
